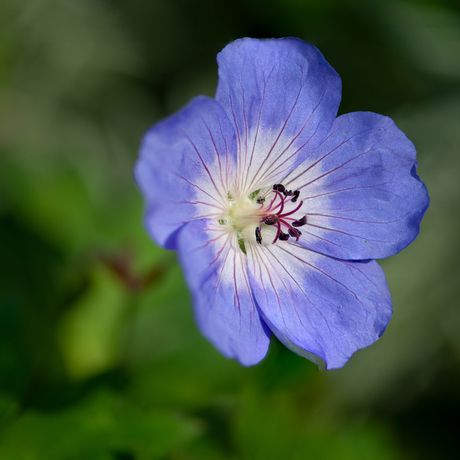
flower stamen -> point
(274, 214)
(258, 235)
(263, 210)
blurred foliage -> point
(99, 354)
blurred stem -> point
(121, 265)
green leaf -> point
(90, 331)
(99, 428)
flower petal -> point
(282, 97)
(217, 276)
(186, 165)
(362, 196)
(325, 306)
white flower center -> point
(278, 210)
(243, 214)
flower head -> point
(277, 208)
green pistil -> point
(253, 194)
(241, 241)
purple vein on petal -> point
(184, 222)
(336, 168)
(220, 234)
(235, 285)
(306, 232)
(319, 270)
(248, 287)
(353, 220)
(296, 152)
(235, 124)
(320, 159)
(344, 190)
(329, 153)
(287, 167)
(341, 231)
(199, 188)
(205, 166)
(354, 267)
(255, 180)
(199, 202)
(288, 291)
(246, 135)
(224, 261)
(297, 284)
(298, 134)
(256, 136)
(227, 165)
(257, 254)
(215, 148)
(207, 216)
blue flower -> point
(277, 208)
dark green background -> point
(99, 354)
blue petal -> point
(282, 97)
(186, 165)
(327, 307)
(362, 197)
(217, 276)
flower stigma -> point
(276, 213)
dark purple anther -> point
(276, 214)
(300, 222)
(258, 235)
(271, 220)
(283, 236)
(294, 233)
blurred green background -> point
(100, 358)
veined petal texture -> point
(282, 97)
(185, 167)
(225, 310)
(362, 196)
(325, 306)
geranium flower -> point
(277, 208)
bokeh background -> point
(100, 358)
